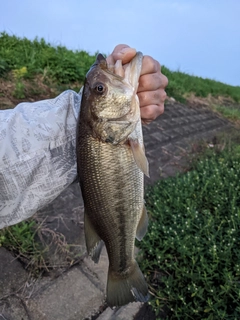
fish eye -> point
(99, 88)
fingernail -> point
(124, 50)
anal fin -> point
(94, 243)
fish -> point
(111, 164)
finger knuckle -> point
(142, 98)
(165, 80)
(150, 113)
(143, 82)
(163, 95)
(153, 64)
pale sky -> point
(200, 37)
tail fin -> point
(127, 287)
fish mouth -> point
(122, 119)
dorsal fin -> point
(101, 61)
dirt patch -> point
(31, 90)
(193, 101)
(40, 88)
(35, 89)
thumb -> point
(121, 52)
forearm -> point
(37, 155)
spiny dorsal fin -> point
(101, 61)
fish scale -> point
(111, 190)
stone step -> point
(124, 313)
(72, 296)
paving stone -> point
(98, 271)
(13, 279)
(124, 313)
(13, 308)
(178, 123)
(70, 297)
(64, 216)
(12, 274)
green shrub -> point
(4, 68)
(40, 57)
(191, 253)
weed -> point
(191, 253)
(181, 84)
(4, 67)
(232, 113)
(18, 75)
(19, 90)
(38, 247)
(39, 57)
(21, 240)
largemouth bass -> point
(111, 165)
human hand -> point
(152, 83)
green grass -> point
(38, 246)
(228, 112)
(39, 57)
(63, 66)
(21, 240)
(191, 253)
(181, 84)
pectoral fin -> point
(139, 155)
(142, 225)
(93, 242)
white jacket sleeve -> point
(37, 154)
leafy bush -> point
(191, 253)
(40, 57)
(4, 68)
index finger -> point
(150, 65)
